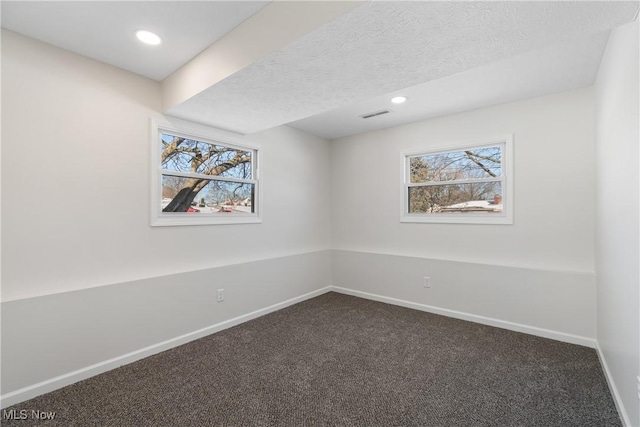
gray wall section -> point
(49, 336)
(53, 335)
(559, 301)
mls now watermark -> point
(24, 414)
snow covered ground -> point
(474, 205)
(214, 209)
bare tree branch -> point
(480, 156)
(171, 149)
(472, 157)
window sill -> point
(457, 219)
(190, 219)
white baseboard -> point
(624, 417)
(52, 384)
(532, 330)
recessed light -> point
(398, 99)
(148, 37)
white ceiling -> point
(446, 57)
(104, 30)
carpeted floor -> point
(337, 360)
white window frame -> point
(505, 217)
(209, 135)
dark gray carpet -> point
(337, 360)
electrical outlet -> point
(427, 282)
(220, 295)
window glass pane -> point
(483, 197)
(189, 155)
(196, 195)
(454, 165)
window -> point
(470, 184)
(202, 176)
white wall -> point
(617, 216)
(85, 278)
(554, 160)
(76, 182)
(553, 220)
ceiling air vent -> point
(376, 113)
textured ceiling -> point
(381, 47)
(564, 66)
(104, 30)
